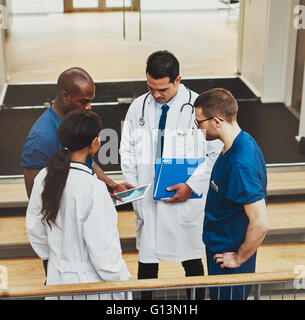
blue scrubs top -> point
(42, 141)
(238, 177)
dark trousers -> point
(45, 267)
(234, 292)
(191, 268)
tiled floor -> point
(40, 47)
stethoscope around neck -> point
(142, 119)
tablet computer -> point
(132, 195)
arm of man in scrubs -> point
(30, 174)
(257, 229)
(35, 157)
(111, 185)
(245, 188)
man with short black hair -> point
(156, 126)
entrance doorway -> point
(49, 36)
(100, 5)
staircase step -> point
(279, 183)
(14, 241)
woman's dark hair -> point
(77, 130)
(161, 64)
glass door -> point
(111, 4)
(100, 5)
(85, 4)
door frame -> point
(68, 7)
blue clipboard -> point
(169, 172)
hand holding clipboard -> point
(174, 173)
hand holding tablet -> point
(131, 195)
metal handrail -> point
(255, 279)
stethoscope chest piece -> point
(141, 121)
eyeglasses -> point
(197, 122)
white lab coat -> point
(84, 246)
(168, 231)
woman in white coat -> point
(71, 219)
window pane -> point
(117, 3)
(36, 6)
(180, 4)
(85, 3)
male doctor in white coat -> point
(170, 230)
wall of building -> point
(253, 43)
(302, 112)
(2, 58)
(267, 48)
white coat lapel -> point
(150, 112)
(150, 109)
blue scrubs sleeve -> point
(35, 154)
(244, 186)
(89, 162)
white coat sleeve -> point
(128, 149)
(36, 230)
(102, 238)
(199, 181)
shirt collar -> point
(169, 103)
(80, 166)
(238, 137)
(54, 115)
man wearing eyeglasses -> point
(236, 219)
